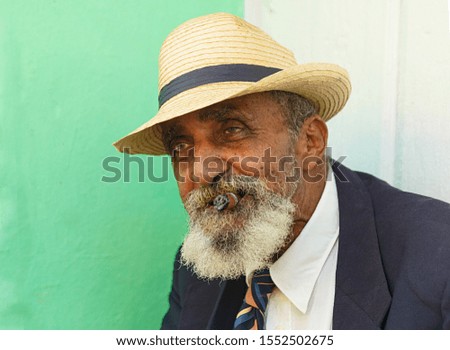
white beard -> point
(230, 244)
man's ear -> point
(312, 142)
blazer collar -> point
(362, 297)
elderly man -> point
(280, 236)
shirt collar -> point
(295, 273)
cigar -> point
(223, 201)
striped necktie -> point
(251, 314)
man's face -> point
(241, 146)
(245, 136)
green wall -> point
(76, 252)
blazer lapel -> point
(232, 294)
(362, 296)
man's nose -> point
(209, 166)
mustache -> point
(240, 185)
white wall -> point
(396, 124)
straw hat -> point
(212, 58)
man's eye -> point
(233, 130)
(179, 148)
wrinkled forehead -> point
(214, 113)
(220, 111)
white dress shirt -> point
(305, 274)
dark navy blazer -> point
(393, 269)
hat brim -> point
(327, 86)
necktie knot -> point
(251, 314)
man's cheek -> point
(184, 186)
(250, 166)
